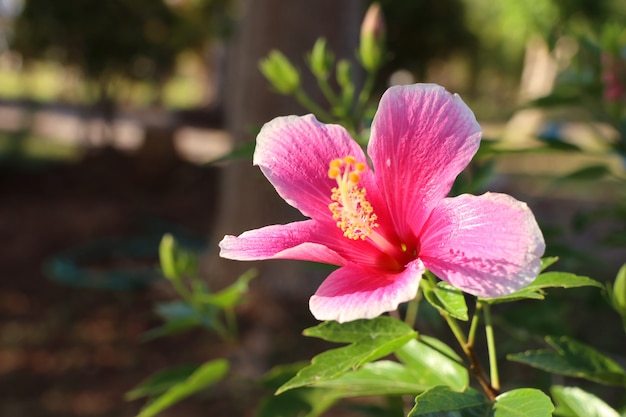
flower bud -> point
(321, 59)
(618, 295)
(372, 46)
(279, 71)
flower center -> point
(355, 215)
(350, 208)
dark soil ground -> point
(72, 351)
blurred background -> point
(113, 113)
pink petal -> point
(289, 241)
(294, 152)
(422, 138)
(356, 292)
(487, 245)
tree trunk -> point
(246, 199)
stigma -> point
(350, 209)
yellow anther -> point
(354, 177)
(353, 214)
(349, 160)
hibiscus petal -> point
(289, 241)
(294, 154)
(356, 292)
(487, 245)
(422, 138)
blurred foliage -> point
(139, 39)
(196, 307)
(504, 27)
(21, 147)
(420, 31)
(491, 37)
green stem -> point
(475, 366)
(365, 95)
(491, 347)
(182, 290)
(328, 91)
(456, 330)
(310, 105)
(411, 310)
(474, 325)
(231, 322)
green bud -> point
(372, 43)
(176, 261)
(618, 295)
(321, 59)
(279, 71)
(344, 73)
(167, 258)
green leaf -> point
(556, 144)
(444, 402)
(558, 98)
(563, 280)
(435, 363)
(523, 402)
(546, 280)
(298, 402)
(171, 327)
(369, 340)
(379, 378)
(231, 295)
(447, 298)
(590, 173)
(574, 402)
(548, 261)
(575, 359)
(160, 381)
(206, 375)
(178, 316)
(172, 310)
(523, 294)
(352, 332)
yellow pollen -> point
(349, 160)
(333, 172)
(354, 177)
(350, 209)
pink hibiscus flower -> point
(384, 224)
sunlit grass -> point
(40, 82)
(49, 82)
(10, 84)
